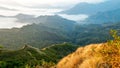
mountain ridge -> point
(89, 9)
(104, 17)
(34, 57)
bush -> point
(111, 51)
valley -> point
(60, 34)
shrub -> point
(111, 51)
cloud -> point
(53, 3)
(5, 8)
(45, 3)
(74, 17)
(36, 6)
(10, 22)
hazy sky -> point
(12, 7)
(37, 7)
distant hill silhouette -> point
(104, 17)
(89, 9)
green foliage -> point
(111, 50)
(27, 66)
(31, 57)
(1, 47)
(40, 36)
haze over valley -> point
(59, 34)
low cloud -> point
(80, 17)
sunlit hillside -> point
(104, 55)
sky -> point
(37, 8)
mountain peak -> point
(89, 8)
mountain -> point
(91, 33)
(49, 30)
(55, 29)
(35, 57)
(34, 35)
(89, 9)
(104, 55)
(56, 22)
(52, 21)
(104, 17)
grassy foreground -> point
(104, 55)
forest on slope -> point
(40, 36)
(31, 57)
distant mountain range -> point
(53, 21)
(46, 30)
(41, 35)
(89, 9)
(112, 16)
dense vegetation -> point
(50, 30)
(30, 56)
(111, 51)
(40, 36)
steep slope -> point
(40, 36)
(83, 57)
(89, 9)
(32, 56)
(56, 22)
(104, 55)
(87, 34)
(34, 35)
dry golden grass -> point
(84, 57)
(104, 55)
(92, 56)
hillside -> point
(40, 36)
(104, 55)
(31, 56)
(47, 30)
(91, 33)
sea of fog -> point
(77, 18)
(10, 23)
(6, 22)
